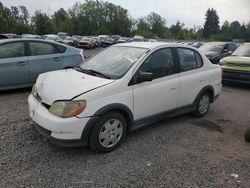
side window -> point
(41, 48)
(160, 63)
(189, 59)
(60, 49)
(232, 47)
(14, 49)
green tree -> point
(41, 23)
(156, 24)
(60, 20)
(211, 26)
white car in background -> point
(122, 88)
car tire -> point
(202, 105)
(247, 135)
(108, 133)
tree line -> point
(98, 17)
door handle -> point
(173, 88)
(21, 63)
(202, 81)
(56, 59)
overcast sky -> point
(191, 12)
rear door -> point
(44, 57)
(192, 75)
(14, 70)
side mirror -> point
(144, 77)
(225, 51)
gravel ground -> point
(179, 152)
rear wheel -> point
(108, 133)
(202, 105)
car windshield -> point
(212, 47)
(115, 61)
(243, 50)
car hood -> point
(237, 60)
(66, 84)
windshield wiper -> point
(99, 73)
(91, 72)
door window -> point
(189, 59)
(14, 49)
(160, 63)
(41, 48)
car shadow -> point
(15, 91)
(230, 85)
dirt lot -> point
(180, 152)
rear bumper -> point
(236, 76)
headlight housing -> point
(34, 90)
(222, 62)
(66, 109)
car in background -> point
(69, 41)
(108, 42)
(236, 68)
(52, 37)
(122, 40)
(197, 44)
(122, 88)
(3, 37)
(215, 51)
(86, 42)
(22, 60)
(102, 38)
(115, 38)
(138, 38)
(62, 34)
(152, 40)
(29, 36)
(9, 35)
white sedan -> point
(122, 88)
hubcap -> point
(203, 104)
(110, 133)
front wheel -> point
(202, 105)
(108, 133)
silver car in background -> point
(22, 60)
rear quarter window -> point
(60, 49)
(189, 59)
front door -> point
(161, 94)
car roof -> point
(152, 45)
(219, 43)
(29, 39)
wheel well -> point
(211, 94)
(125, 115)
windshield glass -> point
(243, 50)
(212, 47)
(114, 61)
